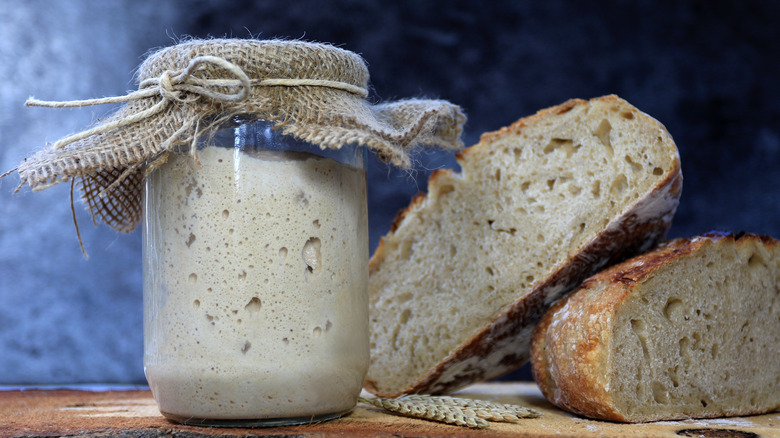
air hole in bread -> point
(406, 249)
(575, 189)
(635, 167)
(563, 144)
(660, 394)
(550, 183)
(402, 298)
(673, 376)
(685, 350)
(673, 308)
(619, 185)
(640, 329)
(489, 270)
(756, 261)
(405, 315)
(628, 115)
(596, 189)
(447, 188)
(603, 132)
(657, 171)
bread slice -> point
(690, 330)
(467, 270)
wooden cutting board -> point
(38, 413)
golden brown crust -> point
(416, 201)
(582, 338)
(399, 217)
(540, 367)
(574, 335)
(633, 271)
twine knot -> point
(167, 90)
(183, 86)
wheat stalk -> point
(453, 410)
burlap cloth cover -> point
(315, 92)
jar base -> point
(252, 423)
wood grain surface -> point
(42, 413)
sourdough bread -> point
(690, 330)
(467, 270)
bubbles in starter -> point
(311, 254)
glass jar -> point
(255, 280)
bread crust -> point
(503, 344)
(572, 339)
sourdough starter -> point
(256, 273)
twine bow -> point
(182, 86)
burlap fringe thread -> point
(314, 92)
